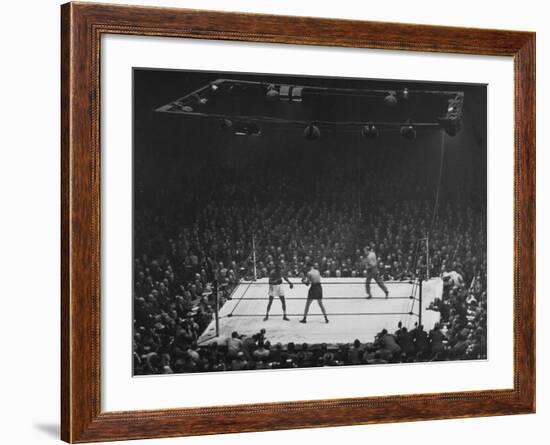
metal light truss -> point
(192, 104)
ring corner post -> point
(420, 300)
(216, 306)
(254, 258)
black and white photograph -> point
(284, 221)
(276, 222)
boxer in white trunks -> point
(276, 278)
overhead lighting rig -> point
(197, 104)
(452, 121)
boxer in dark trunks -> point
(276, 278)
(313, 280)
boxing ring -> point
(352, 316)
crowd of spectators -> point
(211, 232)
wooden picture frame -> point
(82, 26)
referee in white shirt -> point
(371, 264)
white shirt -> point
(370, 260)
(454, 278)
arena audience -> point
(209, 236)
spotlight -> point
(390, 99)
(253, 129)
(370, 131)
(408, 131)
(405, 93)
(200, 100)
(272, 93)
(240, 130)
(312, 132)
(284, 92)
(226, 124)
(246, 129)
(452, 122)
(180, 107)
(214, 87)
(296, 94)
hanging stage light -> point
(284, 92)
(246, 129)
(390, 99)
(312, 132)
(408, 131)
(370, 131)
(200, 100)
(240, 128)
(178, 106)
(296, 94)
(253, 129)
(272, 93)
(452, 122)
(290, 93)
(226, 124)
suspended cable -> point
(438, 190)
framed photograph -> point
(276, 222)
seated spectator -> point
(421, 343)
(356, 353)
(234, 344)
(263, 352)
(376, 360)
(388, 343)
(436, 339)
(405, 341)
(239, 362)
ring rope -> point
(411, 312)
(347, 314)
(333, 283)
(240, 299)
(329, 298)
